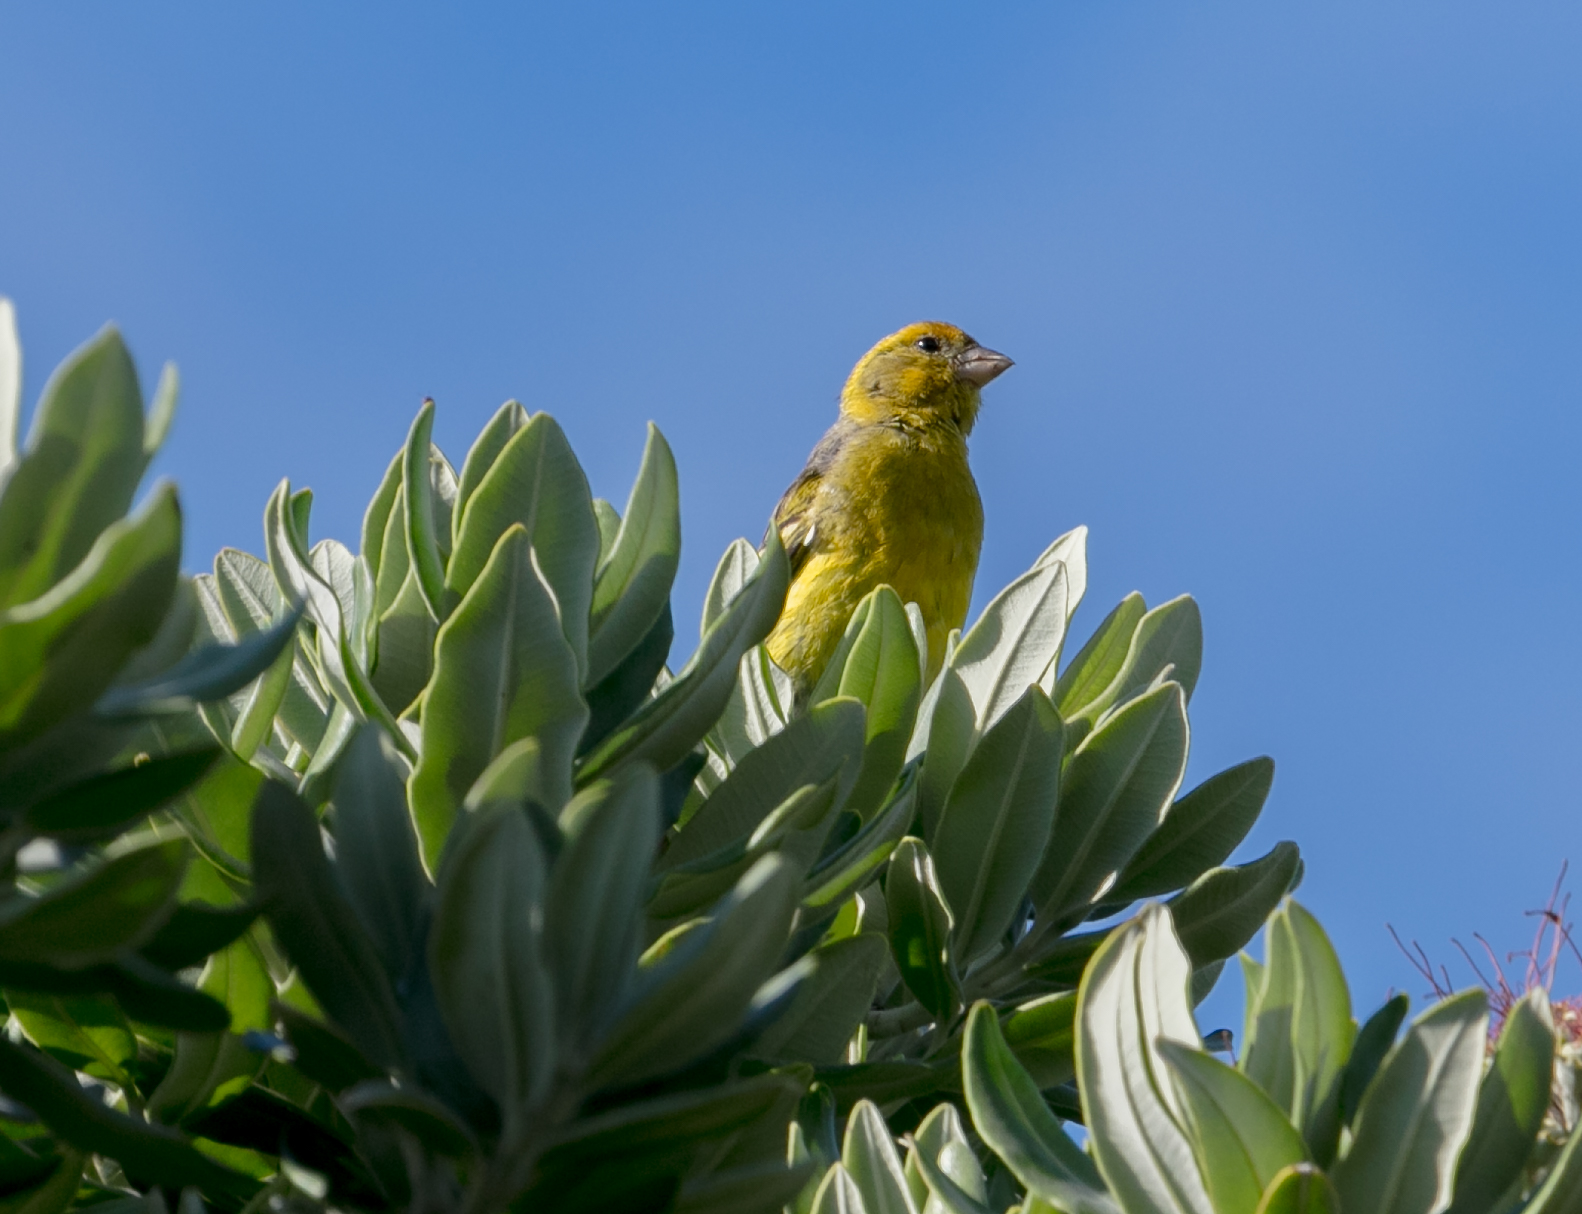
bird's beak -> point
(978, 365)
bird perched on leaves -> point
(887, 498)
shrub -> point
(547, 926)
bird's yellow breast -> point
(896, 507)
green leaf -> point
(1015, 639)
(1299, 1041)
(633, 582)
(1242, 1140)
(837, 1193)
(1223, 909)
(1042, 1033)
(486, 954)
(939, 1128)
(1168, 644)
(509, 420)
(109, 803)
(1300, 1189)
(1112, 796)
(878, 665)
(152, 1153)
(80, 467)
(1417, 1113)
(10, 385)
(1133, 996)
(1100, 660)
(593, 914)
(668, 726)
(850, 867)
(503, 671)
(1512, 1101)
(88, 1034)
(93, 917)
(536, 483)
(830, 1004)
(209, 672)
(1010, 1114)
(873, 1163)
(626, 688)
(735, 569)
(947, 1192)
(60, 651)
(377, 517)
(418, 500)
(1198, 832)
(997, 821)
(694, 998)
(920, 923)
(826, 742)
(346, 679)
(661, 1134)
(210, 1068)
(760, 1188)
(376, 853)
(194, 931)
(1373, 1042)
(251, 600)
(317, 927)
(948, 729)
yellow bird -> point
(887, 498)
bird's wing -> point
(796, 515)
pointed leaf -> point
(1009, 1112)
(1512, 1101)
(633, 584)
(1015, 639)
(593, 915)
(60, 651)
(503, 671)
(1241, 1139)
(873, 1163)
(695, 997)
(376, 853)
(828, 1006)
(920, 923)
(536, 483)
(317, 927)
(1300, 1189)
(486, 955)
(1417, 1113)
(1100, 659)
(422, 537)
(1112, 796)
(80, 467)
(1198, 832)
(509, 420)
(668, 726)
(1223, 909)
(1133, 996)
(997, 822)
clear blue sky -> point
(1295, 294)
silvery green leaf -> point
(1417, 1114)
(996, 824)
(1134, 995)
(486, 952)
(1113, 794)
(632, 586)
(536, 483)
(503, 671)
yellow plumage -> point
(887, 498)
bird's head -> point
(927, 373)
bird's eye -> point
(929, 345)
